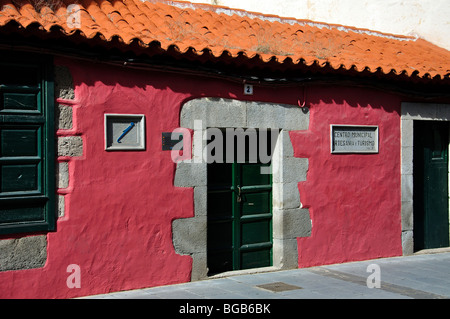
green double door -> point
(239, 202)
(239, 217)
(431, 215)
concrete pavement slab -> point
(420, 276)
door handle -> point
(239, 199)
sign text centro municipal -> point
(354, 138)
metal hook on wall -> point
(303, 106)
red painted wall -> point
(119, 206)
(353, 199)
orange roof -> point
(225, 32)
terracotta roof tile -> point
(219, 30)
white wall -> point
(428, 19)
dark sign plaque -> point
(168, 142)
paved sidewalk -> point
(421, 276)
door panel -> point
(220, 218)
(255, 210)
(19, 178)
(257, 231)
(256, 203)
(250, 175)
(255, 259)
(19, 142)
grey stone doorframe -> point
(290, 220)
(413, 112)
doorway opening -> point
(430, 195)
(289, 219)
(239, 203)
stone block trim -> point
(64, 115)
(291, 223)
(245, 114)
(289, 219)
(190, 175)
(69, 141)
(189, 238)
(23, 253)
(63, 175)
(70, 146)
(64, 88)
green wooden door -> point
(27, 144)
(239, 208)
(431, 220)
(253, 213)
(239, 217)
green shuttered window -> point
(27, 144)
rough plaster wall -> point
(428, 19)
